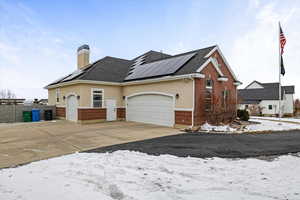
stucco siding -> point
(84, 91)
(110, 92)
(183, 87)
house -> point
(152, 88)
(263, 98)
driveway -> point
(26, 142)
(205, 145)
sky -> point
(38, 39)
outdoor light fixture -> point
(177, 96)
(64, 97)
(124, 97)
(78, 97)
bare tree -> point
(7, 94)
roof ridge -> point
(181, 54)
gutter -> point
(166, 78)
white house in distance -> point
(262, 98)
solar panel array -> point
(159, 68)
(73, 75)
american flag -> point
(281, 39)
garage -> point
(151, 108)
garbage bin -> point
(35, 115)
(48, 115)
(26, 116)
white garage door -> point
(151, 108)
(72, 108)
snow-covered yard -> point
(263, 125)
(132, 175)
(276, 118)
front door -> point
(111, 111)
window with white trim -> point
(97, 98)
(209, 83)
(57, 93)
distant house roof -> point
(270, 91)
(111, 69)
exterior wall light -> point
(124, 97)
(78, 97)
(64, 97)
(177, 96)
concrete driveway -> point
(27, 142)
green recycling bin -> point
(27, 116)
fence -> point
(14, 113)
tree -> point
(222, 108)
(7, 94)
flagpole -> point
(279, 70)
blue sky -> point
(38, 39)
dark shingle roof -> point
(107, 69)
(112, 69)
(289, 89)
(269, 92)
(151, 56)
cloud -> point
(31, 55)
(254, 53)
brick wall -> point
(91, 114)
(60, 112)
(121, 113)
(201, 114)
(183, 117)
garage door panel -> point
(151, 108)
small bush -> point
(243, 115)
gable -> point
(254, 85)
(219, 62)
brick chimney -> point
(83, 56)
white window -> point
(97, 98)
(57, 92)
(209, 84)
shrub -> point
(243, 115)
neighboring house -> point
(263, 98)
(153, 88)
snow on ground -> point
(133, 175)
(264, 125)
(276, 118)
(271, 125)
(224, 128)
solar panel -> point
(158, 68)
(73, 75)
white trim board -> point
(153, 80)
(224, 59)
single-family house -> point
(154, 87)
(263, 99)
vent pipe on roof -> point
(83, 56)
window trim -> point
(57, 95)
(211, 83)
(92, 99)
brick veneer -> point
(91, 114)
(60, 112)
(183, 117)
(121, 113)
(200, 115)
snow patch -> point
(125, 175)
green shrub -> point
(243, 115)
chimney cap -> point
(85, 46)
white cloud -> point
(255, 52)
(30, 55)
